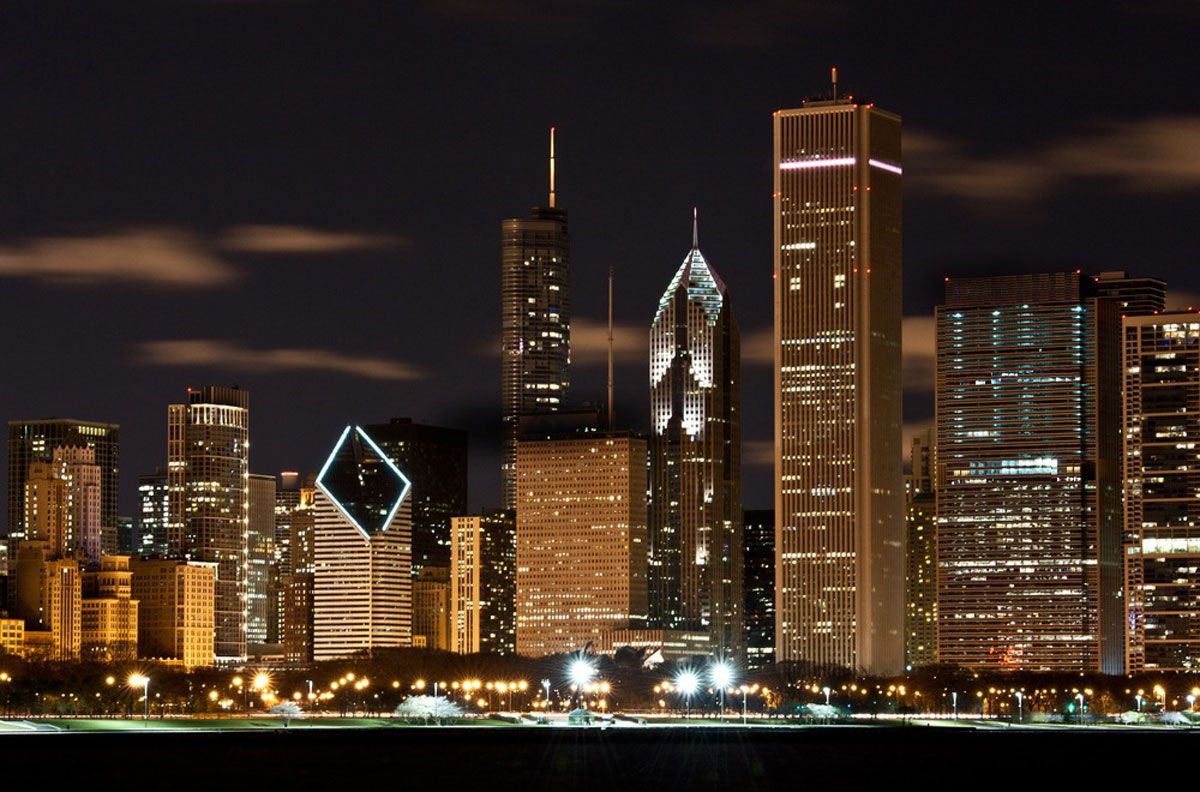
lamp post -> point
(1020, 708)
(546, 693)
(687, 683)
(142, 681)
(1080, 699)
(954, 703)
(826, 691)
(1138, 699)
(721, 675)
(580, 672)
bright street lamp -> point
(142, 681)
(826, 691)
(687, 682)
(580, 672)
(721, 674)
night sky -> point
(305, 198)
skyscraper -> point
(695, 532)
(208, 461)
(920, 548)
(77, 468)
(838, 488)
(758, 586)
(435, 460)
(1028, 474)
(581, 539)
(35, 440)
(260, 556)
(1162, 492)
(153, 509)
(362, 551)
(1136, 296)
(535, 320)
(483, 580)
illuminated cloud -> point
(758, 453)
(162, 257)
(299, 239)
(1154, 155)
(228, 355)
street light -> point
(580, 672)
(746, 689)
(687, 682)
(142, 681)
(721, 674)
(1020, 708)
(1080, 699)
(826, 691)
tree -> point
(428, 708)
(286, 710)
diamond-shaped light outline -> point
(379, 451)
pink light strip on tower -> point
(887, 166)
(815, 163)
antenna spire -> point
(695, 228)
(551, 167)
(611, 414)
(833, 75)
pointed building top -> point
(695, 229)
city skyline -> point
(246, 220)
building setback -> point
(535, 321)
(695, 530)
(483, 583)
(362, 551)
(208, 472)
(1028, 474)
(581, 539)
(35, 440)
(838, 488)
(1162, 492)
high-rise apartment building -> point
(45, 514)
(76, 466)
(695, 531)
(758, 586)
(296, 584)
(483, 583)
(208, 461)
(362, 551)
(35, 440)
(431, 608)
(434, 459)
(287, 501)
(1135, 296)
(535, 320)
(581, 539)
(109, 612)
(839, 505)
(920, 548)
(260, 556)
(153, 507)
(48, 596)
(1162, 492)
(1028, 474)
(176, 613)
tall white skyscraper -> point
(839, 505)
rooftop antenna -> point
(695, 229)
(611, 415)
(833, 74)
(551, 167)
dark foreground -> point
(844, 757)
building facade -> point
(535, 321)
(260, 556)
(758, 586)
(362, 551)
(32, 441)
(176, 610)
(153, 507)
(1135, 295)
(920, 549)
(838, 473)
(1161, 356)
(48, 596)
(483, 583)
(431, 608)
(695, 530)
(581, 539)
(435, 459)
(109, 612)
(1028, 475)
(208, 473)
